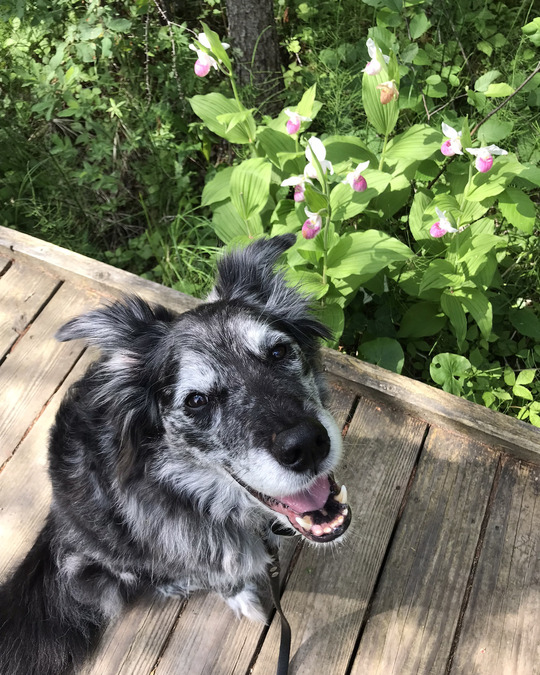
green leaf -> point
(499, 90)
(210, 106)
(420, 203)
(345, 203)
(416, 144)
(522, 392)
(305, 106)
(118, 25)
(518, 209)
(310, 283)
(217, 190)
(421, 320)
(333, 316)
(369, 253)
(450, 371)
(384, 352)
(453, 309)
(382, 117)
(228, 225)
(250, 186)
(493, 182)
(482, 83)
(494, 130)
(532, 31)
(216, 47)
(479, 307)
(526, 376)
(347, 151)
(440, 274)
(418, 25)
(525, 321)
(274, 143)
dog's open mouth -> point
(320, 513)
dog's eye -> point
(196, 400)
(278, 352)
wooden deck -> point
(440, 572)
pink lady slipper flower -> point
(355, 178)
(374, 66)
(442, 226)
(204, 61)
(299, 186)
(484, 159)
(312, 226)
(452, 146)
(295, 121)
(316, 148)
(389, 91)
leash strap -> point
(285, 644)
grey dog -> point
(172, 459)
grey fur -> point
(153, 493)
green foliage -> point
(108, 147)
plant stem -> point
(381, 162)
(528, 79)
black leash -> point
(285, 644)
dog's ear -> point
(249, 276)
(135, 377)
(118, 327)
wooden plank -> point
(23, 291)
(82, 270)
(501, 627)
(134, 643)
(438, 407)
(418, 601)
(25, 489)
(329, 589)
(37, 365)
(207, 637)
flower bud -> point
(309, 230)
(372, 68)
(484, 164)
(359, 184)
(389, 91)
(201, 68)
(447, 149)
(293, 125)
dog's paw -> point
(247, 603)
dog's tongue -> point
(312, 499)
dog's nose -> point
(302, 447)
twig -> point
(147, 60)
(528, 79)
(170, 24)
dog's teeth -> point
(342, 496)
(306, 522)
(327, 530)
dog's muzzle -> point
(320, 513)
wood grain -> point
(36, 367)
(417, 605)
(82, 270)
(25, 489)
(23, 291)
(329, 589)
(501, 628)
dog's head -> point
(233, 385)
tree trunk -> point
(253, 36)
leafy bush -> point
(419, 261)
(416, 228)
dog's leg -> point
(246, 602)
